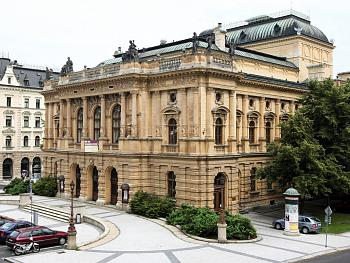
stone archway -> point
(114, 186)
(94, 184)
(7, 169)
(219, 191)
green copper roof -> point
(291, 192)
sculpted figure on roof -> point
(195, 43)
(68, 67)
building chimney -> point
(220, 37)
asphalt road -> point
(5, 252)
(340, 257)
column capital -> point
(102, 97)
(232, 93)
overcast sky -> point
(46, 32)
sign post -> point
(327, 219)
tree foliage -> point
(313, 153)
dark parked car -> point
(307, 224)
(7, 228)
(42, 235)
(5, 219)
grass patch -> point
(340, 224)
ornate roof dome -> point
(265, 27)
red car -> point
(42, 235)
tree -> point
(299, 160)
(328, 106)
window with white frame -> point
(8, 121)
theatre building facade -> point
(189, 119)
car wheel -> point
(36, 248)
(62, 241)
(18, 251)
(278, 226)
(305, 230)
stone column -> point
(61, 119)
(195, 112)
(102, 140)
(262, 136)
(202, 112)
(277, 121)
(292, 107)
(46, 129)
(69, 119)
(233, 121)
(144, 100)
(122, 115)
(134, 113)
(157, 114)
(245, 140)
(209, 126)
(183, 115)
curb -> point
(180, 234)
(110, 232)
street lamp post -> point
(72, 233)
(222, 224)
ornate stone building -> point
(22, 118)
(188, 119)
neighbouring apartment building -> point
(189, 119)
(22, 119)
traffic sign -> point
(328, 211)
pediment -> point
(171, 110)
(9, 130)
(9, 112)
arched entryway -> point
(7, 169)
(25, 167)
(219, 191)
(94, 184)
(77, 181)
(114, 186)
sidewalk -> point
(142, 240)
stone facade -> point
(188, 119)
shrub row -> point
(203, 222)
(150, 205)
(45, 186)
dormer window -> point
(9, 80)
(242, 35)
(26, 82)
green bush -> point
(203, 222)
(239, 227)
(150, 205)
(46, 186)
(17, 186)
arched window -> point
(7, 169)
(172, 131)
(8, 141)
(97, 123)
(37, 141)
(251, 132)
(218, 131)
(268, 132)
(24, 167)
(25, 141)
(116, 124)
(36, 167)
(171, 184)
(80, 123)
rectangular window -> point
(253, 179)
(8, 121)
(8, 80)
(26, 82)
(37, 122)
(8, 101)
(37, 104)
(26, 121)
(26, 103)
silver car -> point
(307, 224)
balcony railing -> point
(170, 148)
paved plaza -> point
(142, 240)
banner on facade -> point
(91, 146)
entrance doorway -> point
(114, 186)
(94, 184)
(219, 192)
(77, 181)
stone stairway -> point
(48, 211)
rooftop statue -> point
(68, 67)
(195, 43)
(132, 52)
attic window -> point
(242, 35)
(277, 28)
(26, 82)
(9, 80)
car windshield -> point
(14, 234)
(315, 219)
(7, 226)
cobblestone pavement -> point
(141, 240)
